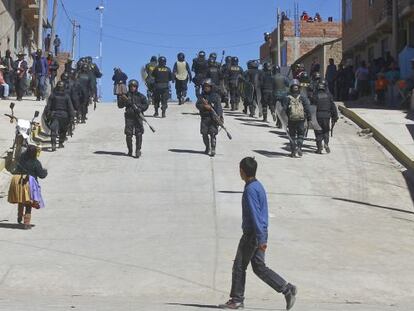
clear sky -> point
(134, 30)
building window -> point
(371, 3)
(348, 11)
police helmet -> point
(89, 59)
(213, 56)
(181, 57)
(162, 61)
(60, 86)
(294, 82)
(322, 85)
(133, 83)
(235, 60)
(153, 59)
(316, 76)
(201, 54)
(255, 64)
(266, 66)
(228, 59)
(276, 69)
(64, 76)
(85, 67)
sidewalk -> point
(24, 109)
(394, 129)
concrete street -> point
(160, 232)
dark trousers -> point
(20, 87)
(234, 95)
(297, 133)
(161, 97)
(181, 89)
(268, 101)
(331, 87)
(59, 126)
(323, 134)
(249, 252)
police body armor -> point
(280, 86)
(162, 77)
(323, 102)
(214, 74)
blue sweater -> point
(255, 210)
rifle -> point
(140, 114)
(217, 119)
(222, 58)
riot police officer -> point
(251, 87)
(213, 73)
(149, 80)
(199, 67)
(235, 73)
(73, 89)
(162, 76)
(209, 105)
(296, 106)
(60, 112)
(325, 111)
(280, 90)
(135, 104)
(87, 92)
(224, 83)
(182, 75)
(267, 87)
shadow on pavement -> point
(280, 133)
(272, 154)
(258, 125)
(186, 151)
(194, 305)
(13, 226)
(113, 153)
(248, 120)
(190, 113)
(374, 205)
(230, 192)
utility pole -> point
(74, 26)
(40, 26)
(101, 9)
(52, 36)
(278, 38)
(394, 50)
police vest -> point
(182, 73)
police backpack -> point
(296, 110)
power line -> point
(66, 12)
(173, 47)
(131, 29)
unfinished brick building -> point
(293, 47)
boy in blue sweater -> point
(253, 243)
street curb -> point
(396, 150)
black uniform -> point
(251, 85)
(95, 74)
(281, 87)
(326, 109)
(296, 123)
(162, 76)
(87, 91)
(267, 85)
(224, 83)
(208, 125)
(200, 68)
(149, 81)
(134, 104)
(20, 74)
(60, 112)
(73, 89)
(235, 72)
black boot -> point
(61, 144)
(206, 141)
(138, 146)
(163, 113)
(156, 112)
(129, 145)
(264, 116)
(319, 146)
(53, 143)
(290, 295)
(213, 146)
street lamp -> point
(101, 9)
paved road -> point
(160, 233)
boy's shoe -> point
(232, 305)
(290, 296)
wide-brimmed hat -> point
(2, 67)
(21, 53)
